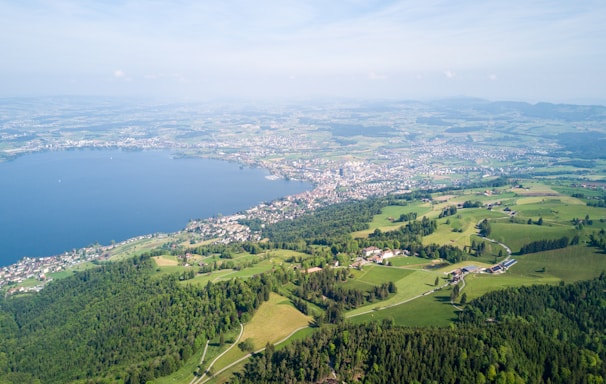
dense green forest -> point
(538, 334)
(118, 322)
(334, 221)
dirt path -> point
(244, 357)
(398, 303)
(201, 360)
(201, 378)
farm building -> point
(469, 269)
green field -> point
(411, 283)
(517, 235)
(402, 261)
(430, 310)
(274, 321)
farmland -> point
(424, 290)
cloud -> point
(119, 74)
(194, 42)
(374, 76)
(449, 74)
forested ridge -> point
(118, 322)
(334, 221)
(517, 345)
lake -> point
(53, 202)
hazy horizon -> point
(538, 51)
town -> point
(342, 158)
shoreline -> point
(48, 260)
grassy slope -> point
(413, 279)
(274, 320)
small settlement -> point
(458, 274)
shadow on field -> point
(443, 299)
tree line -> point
(546, 245)
(549, 334)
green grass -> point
(411, 283)
(394, 211)
(430, 310)
(281, 255)
(273, 321)
(377, 274)
(465, 220)
(224, 376)
(550, 267)
(478, 284)
(516, 235)
(568, 264)
(186, 373)
(60, 275)
(212, 276)
(401, 261)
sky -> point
(289, 49)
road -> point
(200, 381)
(201, 378)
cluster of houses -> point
(377, 255)
(458, 274)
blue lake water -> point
(56, 201)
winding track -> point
(201, 381)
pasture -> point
(410, 283)
(273, 321)
(430, 310)
(165, 261)
(515, 235)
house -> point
(369, 251)
(358, 263)
(313, 270)
(386, 254)
(375, 259)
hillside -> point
(370, 269)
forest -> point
(537, 334)
(130, 326)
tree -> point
(247, 345)
(455, 292)
(437, 281)
(464, 298)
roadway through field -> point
(242, 358)
(398, 303)
(201, 378)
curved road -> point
(199, 379)
(242, 358)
